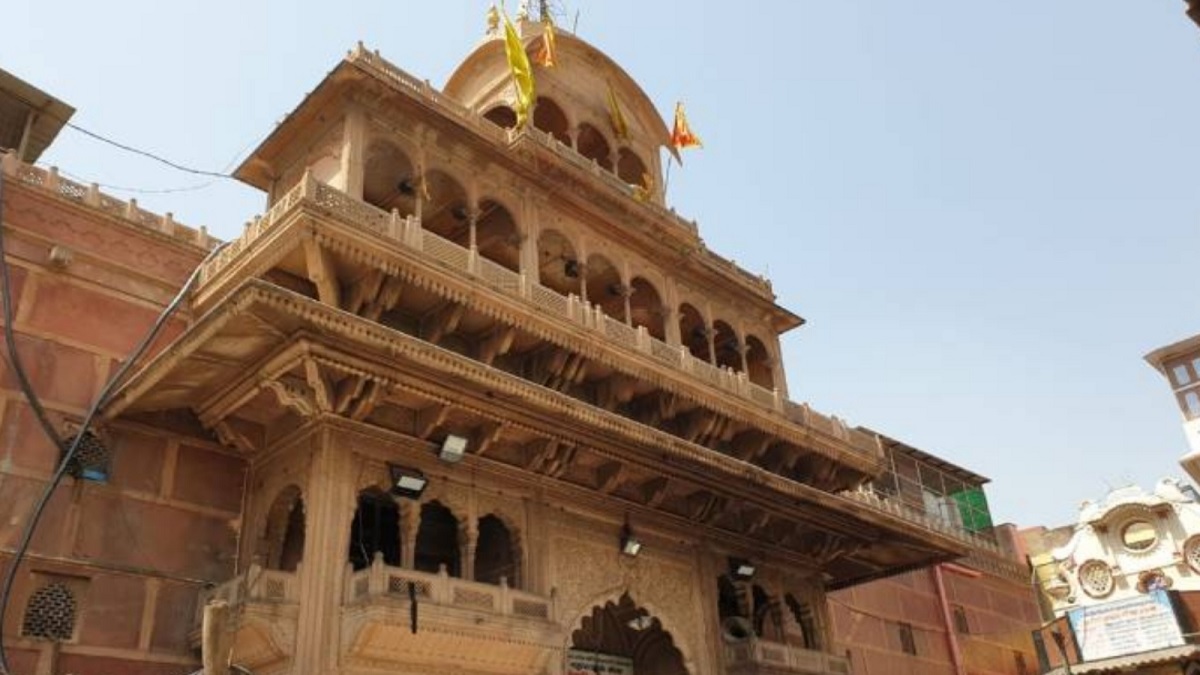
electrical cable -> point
(69, 454)
(41, 110)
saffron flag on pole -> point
(548, 52)
(522, 72)
(616, 117)
(681, 135)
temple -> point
(467, 397)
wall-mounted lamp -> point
(571, 268)
(741, 569)
(641, 622)
(407, 482)
(453, 449)
(630, 545)
(460, 213)
(406, 187)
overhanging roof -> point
(26, 109)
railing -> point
(407, 232)
(384, 581)
(423, 90)
(255, 585)
(780, 657)
(896, 506)
(50, 181)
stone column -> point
(710, 335)
(671, 325)
(410, 524)
(468, 536)
(329, 507)
(353, 162)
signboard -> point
(1140, 624)
(580, 662)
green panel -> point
(973, 507)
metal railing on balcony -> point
(384, 581)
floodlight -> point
(453, 449)
(407, 482)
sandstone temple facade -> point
(466, 398)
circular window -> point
(1096, 578)
(1191, 553)
(1139, 536)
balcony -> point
(218, 277)
(456, 623)
(755, 656)
(270, 602)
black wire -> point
(101, 399)
(41, 110)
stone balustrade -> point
(755, 655)
(440, 589)
(424, 91)
(897, 507)
(255, 585)
(407, 232)
(49, 181)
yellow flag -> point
(682, 135)
(615, 116)
(644, 191)
(548, 52)
(522, 72)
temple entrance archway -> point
(621, 628)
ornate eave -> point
(266, 359)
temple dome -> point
(572, 99)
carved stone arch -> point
(632, 169)
(390, 179)
(659, 619)
(281, 545)
(605, 285)
(760, 362)
(502, 115)
(694, 330)
(552, 118)
(559, 265)
(727, 345)
(594, 144)
(646, 306)
(514, 562)
(499, 231)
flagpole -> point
(667, 177)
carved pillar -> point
(710, 336)
(354, 136)
(777, 378)
(330, 502)
(468, 537)
(627, 297)
(671, 325)
(741, 350)
(410, 524)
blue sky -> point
(987, 212)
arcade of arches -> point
(427, 537)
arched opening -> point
(593, 145)
(725, 342)
(559, 266)
(631, 168)
(283, 538)
(758, 363)
(446, 211)
(501, 116)
(389, 179)
(623, 629)
(496, 235)
(767, 620)
(646, 308)
(550, 118)
(376, 528)
(604, 287)
(437, 540)
(496, 553)
(693, 332)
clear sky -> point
(988, 212)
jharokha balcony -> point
(391, 614)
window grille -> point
(50, 614)
(91, 460)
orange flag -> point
(681, 135)
(548, 52)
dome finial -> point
(493, 19)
